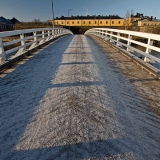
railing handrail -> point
(139, 34)
(39, 37)
(16, 32)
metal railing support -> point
(111, 36)
(149, 43)
(35, 37)
(129, 42)
(22, 44)
(43, 37)
(118, 38)
(2, 53)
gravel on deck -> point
(71, 101)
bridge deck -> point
(73, 101)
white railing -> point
(124, 40)
(26, 40)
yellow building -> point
(146, 22)
(139, 20)
(106, 21)
(89, 21)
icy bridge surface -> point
(70, 101)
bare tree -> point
(132, 12)
(36, 20)
(127, 20)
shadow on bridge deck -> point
(19, 97)
(73, 103)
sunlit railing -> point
(21, 41)
(127, 40)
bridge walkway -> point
(75, 99)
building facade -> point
(137, 20)
(140, 20)
(89, 21)
(146, 22)
(7, 24)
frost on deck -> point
(70, 102)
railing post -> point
(52, 33)
(111, 33)
(118, 34)
(60, 31)
(103, 34)
(106, 34)
(35, 40)
(2, 50)
(55, 32)
(21, 50)
(100, 33)
(97, 33)
(23, 41)
(35, 37)
(129, 42)
(150, 43)
(43, 36)
(48, 34)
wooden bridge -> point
(78, 97)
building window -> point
(78, 22)
(106, 22)
(89, 22)
(119, 22)
(62, 22)
(112, 22)
(57, 22)
(72, 22)
(67, 22)
(95, 22)
(100, 22)
(83, 22)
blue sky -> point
(27, 10)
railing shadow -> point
(143, 80)
(52, 118)
(97, 149)
(22, 90)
